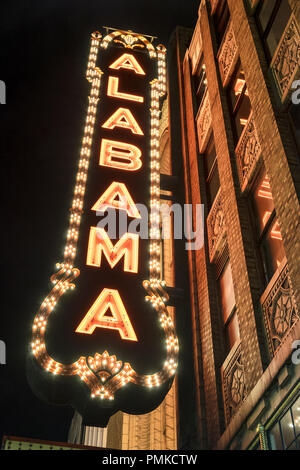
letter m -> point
(127, 246)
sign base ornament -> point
(104, 374)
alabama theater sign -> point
(103, 339)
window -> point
(268, 230)
(285, 434)
(200, 82)
(221, 19)
(239, 102)
(227, 297)
(272, 18)
(211, 172)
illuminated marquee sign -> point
(113, 331)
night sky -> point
(43, 55)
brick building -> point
(234, 124)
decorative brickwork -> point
(286, 60)
(204, 123)
(280, 310)
(234, 383)
(216, 228)
(231, 393)
(228, 55)
(247, 152)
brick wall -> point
(278, 149)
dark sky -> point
(43, 54)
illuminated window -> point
(200, 82)
(285, 434)
(268, 230)
(227, 298)
(211, 173)
(221, 19)
(239, 102)
(272, 18)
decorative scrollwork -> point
(280, 311)
(129, 41)
(216, 227)
(286, 60)
(234, 384)
(228, 55)
(204, 121)
(247, 152)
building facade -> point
(234, 120)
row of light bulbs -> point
(60, 287)
(94, 76)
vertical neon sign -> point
(105, 333)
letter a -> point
(129, 62)
(123, 118)
(109, 299)
(120, 155)
(117, 197)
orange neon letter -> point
(113, 91)
(109, 299)
(117, 197)
(123, 117)
(120, 155)
(129, 62)
(127, 246)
